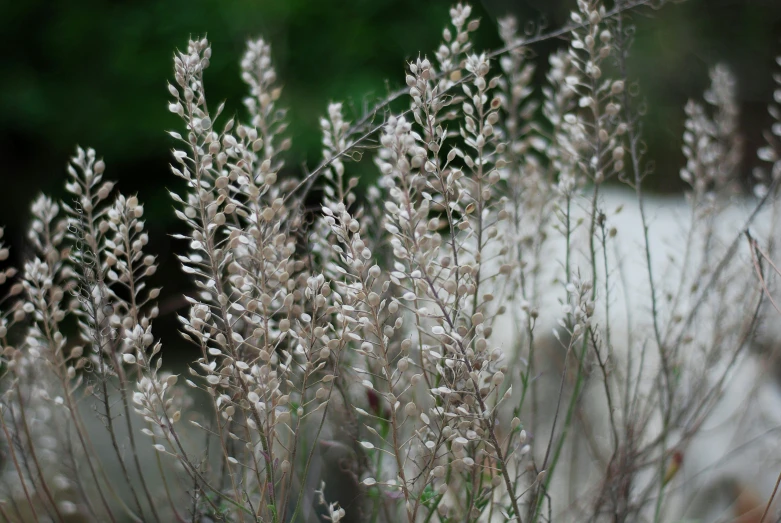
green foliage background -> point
(93, 72)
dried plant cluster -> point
(390, 357)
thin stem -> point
(770, 501)
(17, 467)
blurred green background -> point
(94, 73)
